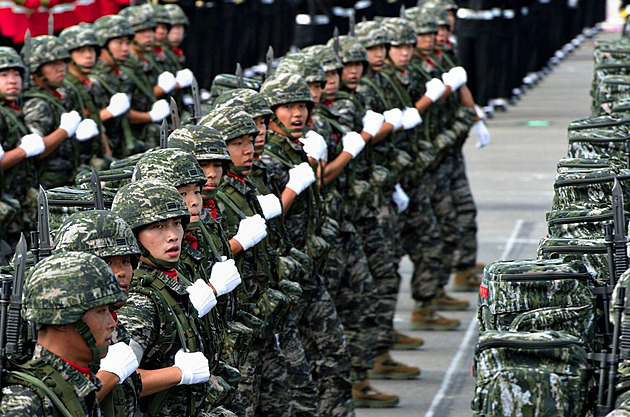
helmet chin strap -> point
(83, 68)
(117, 61)
(144, 48)
(164, 265)
(286, 130)
(84, 330)
(209, 193)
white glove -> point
(194, 366)
(201, 297)
(435, 89)
(251, 230)
(461, 74)
(1, 152)
(166, 81)
(353, 143)
(225, 276)
(32, 144)
(87, 130)
(70, 122)
(394, 117)
(372, 122)
(184, 78)
(411, 118)
(454, 78)
(120, 360)
(159, 110)
(300, 177)
(118, 104)
(483, 135)
(314, 145)
(270, 205)
(400, 198)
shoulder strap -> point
(221, 196)
(399, 90)
(47, 98)
(282, 159)
(141, 84)
(14, 120)
(106, 85)
(378, 90)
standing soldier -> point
(179, 24)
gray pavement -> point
(512, 182)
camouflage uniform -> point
(177, 17)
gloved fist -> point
(300, 177)
(461, 75)
(70, 122)
(166, 81)
(225, 276)
(32, 144)
(314, 145)
(372, 122)
(435, 89)
(353, 143)
(118, 104)
(411, 118)
(194, 366)
(201, 297)
(120, 360)
(270, 205)
(87, 130)
(455, 78)
(184, 78)
(483, 135)
(400, 198)
(159, 110)
(251, 230)
(394, 117)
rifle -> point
(351, 23)
(174, 115)
(196, 113)
(97, 191)
(239, 76)
(269, 61)
(164, 134)
(26, 57)
(43, 227)
(619, 244)
(627, 153)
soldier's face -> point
(400, 55)
(10, 84)
(376, 56)
(176, 34)
(332, 82)
(213, 170)
(426, 42)
(351, 74)
(144, 37)
(161, 32)
(122, 269)
(163, 239)
(54, 71)
(242, 153)
(119, 48)
(262, 133)
(191, 193)
(101, 324)
(292, 116)
(84, 56)
(316, 91)
(442, 36)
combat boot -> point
(443, 301)
(367, 397)
(406, 342)
(466, 281)
(385, 367)
(427, 319)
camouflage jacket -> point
(136, 73)
(19, 178)
(22, 400)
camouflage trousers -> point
(217, 412)
(465, 213)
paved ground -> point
(512, 182)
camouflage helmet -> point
(231, 122)
(440, 13)
(140, 17)
(371, 34)
(160, 14)
(286, 88)
(326, 56)
(80, 35)
(63, 287)
(247, 99)
(203, 142)
(176, 15)
(110, 27)
(303, 64)
(350, 49)
(44, 49)
(149, 201)
(422, 21)
(9, 58)
(174, 166)
(99, 232)
(400, 31)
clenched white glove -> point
(120, 360)
(32, 144)
(87, 130)
(251, 230)
(300, 177)
(159, 110)
(461, 74)
(70, 122)
(372, 122)
(435, 89)
(400, 198)
(201, 297)
(393, 117)
(314, 145)
(353, 143)
(194, 366)
(118, 104)
(166, 81)
(225, 276)
(483, 135)
(1, 152)
(184, 78)
(270, 205)
(454, 78)
(411, 118)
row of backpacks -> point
(554, 333)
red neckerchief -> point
(83, 370)
(17, 109)
(114, 314)
(178, 51)
(437, 53)
(257, 158)
(327, 103)
(57, 94)
(191, 240)
(236, 177)
(430, 62)
(117, 72)
(85, 81)
(172, 274)
(211, 208)
(297, 142)
(449, 43)
(158, 50)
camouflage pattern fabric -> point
(586, 190)
(176, 15)
(232, 123)
(249, 100)
(173, 166)
(591, 252)
(304, 65)
(569, 164)
(581, 224)
(76, 36)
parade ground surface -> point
(512, 182)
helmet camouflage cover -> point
(232, 123)
(77, 36)
(110, 27)
(400, 31)
(177, 15)
(247, 99)
(149, 201)
(286, 88)
(422, 21)
(140, 17)
(44, 49)
(371, 34)
(326, 56)
(174, 166)
(440, 13)
(9, 58)
(63, 287)
(303, 64)
(160, 14)
(350, 49)
(203, 142)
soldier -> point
(67, 296)
(179, 24)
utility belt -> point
(470, 14)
